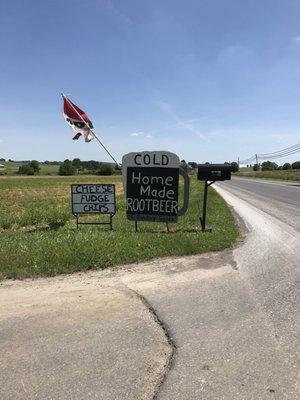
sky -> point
(210, 80)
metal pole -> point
(96, 137)
(203, 219)
(256, 159)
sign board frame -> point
(94, 212)
(151, 186)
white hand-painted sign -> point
(93, 199)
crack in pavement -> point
(168, 336)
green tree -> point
(234, 166)
(105, 169)
(286, 166)
(67, 168)
(255, 167)
(193, 164)
(117, 170)
(77, 163)
(184, 165)
(25, 169)
(35, 165)
(296, 165)
(268, 166)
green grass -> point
(287, 175)
(39, 236)
(11, 168)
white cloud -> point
(141, 135)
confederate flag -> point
(78, 120)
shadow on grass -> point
(52, 226)
(170, 231)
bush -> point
(66, 168)
(117, 170)
(35, 166)
(286, 166)
(268, 166)
(26, 169)
(234, 167)
(255, 167)
(296, 165)
(105, 169)
(76, 163)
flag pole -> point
(94, 134)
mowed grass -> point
(287, 175)
(39, 235)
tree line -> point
(76, 166)
(272, 166)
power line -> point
(271, 156)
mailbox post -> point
(210, 173)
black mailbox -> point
(214, 172)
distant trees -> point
(105, 169)
(90, 167)
(35, 165)
(184, 165)
(25, 169)
(286, 166)
(31, 168)
(76, 163)
(269, 166)
(117, 170)
(296, 165)
(193, 164)
(67, 168)
(234, 166)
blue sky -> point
(210, 80)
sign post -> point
(90, 199)
(151, 181)
(210, 173)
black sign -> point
(152, 194)
(214, 172)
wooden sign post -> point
(151, 181)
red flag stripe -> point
(69, 111)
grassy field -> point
(39, 236)
(11, 168)
(288, 175)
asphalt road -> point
(269, 260)
(277, 198)
(214, 326)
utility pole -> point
(256, 159)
